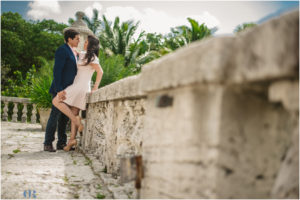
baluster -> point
(15, 112)
(5, 110)
(24, 116)
(33, 116)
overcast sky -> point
(156, 16)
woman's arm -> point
(99, 71)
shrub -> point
(114, 69)
(40, 86)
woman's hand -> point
(92, 91)
(61, 95)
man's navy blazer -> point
(65, 69)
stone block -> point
(286, 92)
(231, 137)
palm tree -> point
(152, 47)
(197, 32)
(183, 35)
(176, 38)
(118, 39)
(244, 26)
(94, 23)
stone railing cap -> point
(15, 99)
(124, 88)
(265, 52)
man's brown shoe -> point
(49, 148)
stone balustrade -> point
(16, 101)
(215, 119)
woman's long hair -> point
(92, 49)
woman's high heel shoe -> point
(80, 127)
(70, 144)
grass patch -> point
(16, 151)
(87, 161)
(10, 155)
(66, 179)
(130, 195)
(100, 196)
(99, 187)
(74, 162)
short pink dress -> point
(76, 93)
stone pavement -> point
(29, 172)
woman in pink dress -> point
(75, 94)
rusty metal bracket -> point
(132, 169)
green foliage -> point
(11, 55)
(150, 48)
(19, 86)
(94, 23)
(25, 42)
(13, 31)
(113, 68)
(183, 35)
(66, 179)
(28, 44)
(41, 85)
(117, 39)
(243, 27)
(88, 161)
(50, 26)
(155, 41)
(16, 151)
(100, 196)
(71, 21)
(35, 85)
(196, 32)
(10, 156)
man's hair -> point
(71, 33)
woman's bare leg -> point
(72, 140)
(65, 109)
(73, 126)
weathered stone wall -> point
(115, 119)
(216, 119)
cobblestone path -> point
(29, 172)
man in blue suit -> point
(64, 72)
